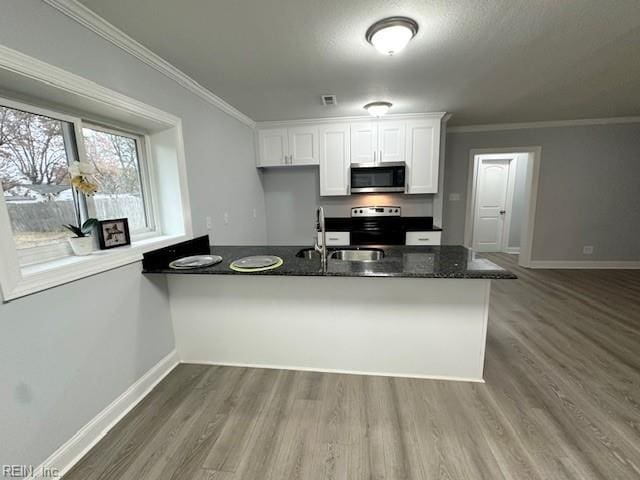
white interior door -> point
(492, 186)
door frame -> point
(531, 196)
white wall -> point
(293, 194)
(70, 351)
(588, 192)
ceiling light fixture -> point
(377, 109)
(392, 34)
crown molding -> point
(546, 124)
(316, 121)
(89, 19)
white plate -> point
(195, 261)
(256, 261)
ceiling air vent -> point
(328, 100)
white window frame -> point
(59, 249)
(164, 151)
(149, 194)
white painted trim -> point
(330, 370)
(15, 282)
(89, 19)
(588, 264)
(38, 70)
(533, 178)
(35, 278)
(544, 124)
(359, 118)
(512, 250)
(89, 435)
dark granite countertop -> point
(399, 261)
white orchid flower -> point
(81, 168)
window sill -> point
(43, 276)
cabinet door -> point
(391, 141)
(273, 144)
(334, 159)
(335, 239)
(422, 238)
(423, 156)
(364, 142)
(303, 145)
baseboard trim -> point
(88, 436)
(512, 250)
(331, 370)
(579, 264)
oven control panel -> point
(386, 211)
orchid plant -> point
(81, 173)
(83, 230)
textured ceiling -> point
(485, 61)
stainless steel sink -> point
(357, 255)
(345, 254)
(308, 254)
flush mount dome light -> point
(377, 109)
(392, 34)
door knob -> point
(502, 212)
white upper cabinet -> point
(391, 141)
(413, 139)
(364, 142)
(334, 159)
(303, 145)
(288, 146)
(422, 155)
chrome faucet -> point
(320, 227)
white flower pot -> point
(82, 245)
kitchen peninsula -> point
(420, 311)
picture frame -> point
(113, 233)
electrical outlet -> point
(209, 223)
(226, 218)
(454, 197)
(255, 213)
(587, 250)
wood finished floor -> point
(561, 401)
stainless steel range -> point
(377, 226)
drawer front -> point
(423, 238)
(337, 239)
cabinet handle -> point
(374, 156)
(423, 239)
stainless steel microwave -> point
(378, 178)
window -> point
(37, 148)
(34, 159)
(119, 175)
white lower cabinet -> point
(423, 238)
(336, 239)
